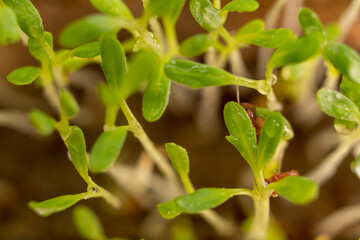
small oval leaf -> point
(309, 21)
(69, 105)
(197, 201)
(274, 38)
(179, 158)
(43, 123)
(249, 30)
(88, 50)
(28, 16)
(9, 29)
(53, 205)
(269, 138)
(195, 45)
(294, 52)
(36, 46)
(350, 89)
(24, 75)
(113, 63)
(164, 8)
(116, 8)
(88, 29)
(197, 75)
(344, 59)
(209, 17)
(241, 6)
(156, 96)
(87, 223)
(296, 189)
(337, 105)
(74, 140)
(242, 132)
(107, 149)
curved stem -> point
(261, 218)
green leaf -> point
(147, 61)
(269, 138)
(88, 50)
(337, 105)
(195, 45)
(88, 29)
(9, 29)
(114, 63)
(75, 142)
(43, 123)
(29, 19)
(249, 30)
(87, 223)
(345, 60)
(296, 189)
(344, 127)
(309, 21)
(197, 75)
(164, 8)
(198, 201)
(116, 8)
(288, 132)
(241, 6)
(105, 96)
(332, 31)
(209, 17)
(355, 166)
(242, 132)
(296, 51)
(107, 149)
(179, 158)
(23, 75)
(156, 96)
(53, 205)
(36, 46)
(351, 90)
(274, 38)
(69, 105)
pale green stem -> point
(110, 116)
(187, 184)
(262, 86)
(217, 4)
(171, 38)
(149, 146)
(95, 190)
(328, 167)
(261, 218)
(158, 31)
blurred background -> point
(36, 168)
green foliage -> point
(198, 201)
(116, 8)
(156, 96)
(87, 223)
(37, 46)
(344, 127)
(113, 63)
(195, 45)
(209, 17)
(43, 123)
(269, 138)
(351, 90)
(179, 158)
(53, 205)
(28, 16)
(88, 50)
(337, 105)
(274, 38)
(242, 132)
(88, 29)
(24, 75)
(310, 22)
(75, 142)
(241, 6)
(249, 30)
(295, 51)
(170, 10)
(197, 75)
(344, 59)
(9, 29)
(69, 105)
(107, 149)
(296, 189)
